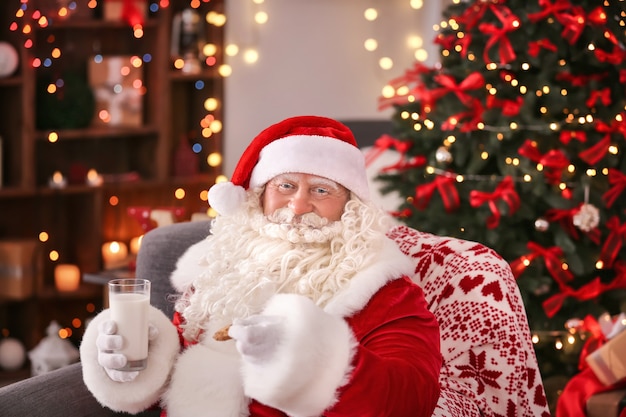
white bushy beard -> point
(251, 257)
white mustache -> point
(287, 216)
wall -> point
(312, 61)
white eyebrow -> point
(315, 181)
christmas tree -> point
(516, 139)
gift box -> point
(20, 268)
(131, 11)
(118, 90)
(607, 404)
(609, 361)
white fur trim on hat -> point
(315, 155)
(226, 197)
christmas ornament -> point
(443, 155)
(587, 218)
(8, 59)
(541, 224)
(12, 354)
(52, 352)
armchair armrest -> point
(160, 249)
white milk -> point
(130, 313)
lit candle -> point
(93, 178)
(135, 244)
(57, 180)
(114, 255)
(66, 277)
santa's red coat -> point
(397, 361)
(373, 350)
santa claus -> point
(314, 301)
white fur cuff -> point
(146, 389)
(311, 364)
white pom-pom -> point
(226, 197)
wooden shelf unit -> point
(136, 162)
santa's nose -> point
(300, 202)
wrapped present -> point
(609, 361)
(131, 11)
(20, 268)
(118, 88)
(607, 404)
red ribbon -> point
(594, 154)
(535, 47)
(603, 95)
(565, 219)
(588, 291)
(595, 340)
(385, 142)
(474, 14)
(616, 57)
(402, 213)
(598, 17)
(505, 191)
(573, 24)
(412, 79)
(579, 80)
(552, 259)
(510, 23)
(553, 161)
(617, 180)
(446, 188)
(473, 81)
(613, 243)
(573, 401)
(549, 8)
(567, 135)
(509, 107)
(471, 117)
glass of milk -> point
(129, 301)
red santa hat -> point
(306, 144)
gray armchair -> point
(469, 288)
(62, 392)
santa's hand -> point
(109, 343)
(257, 337)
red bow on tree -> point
(594, 154)
(386, 142)
(617, 180)
(565, 219)
(603, 95)
(616, 57)
(552, 258)
(573, 23)
(567, 135)
(613, 243)
(553, 161)
(535, 47)
(588, 291)
(510, 23)
(447, 191)
(557, 8)
(509, 107)
(505, 191)
(473, 81)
